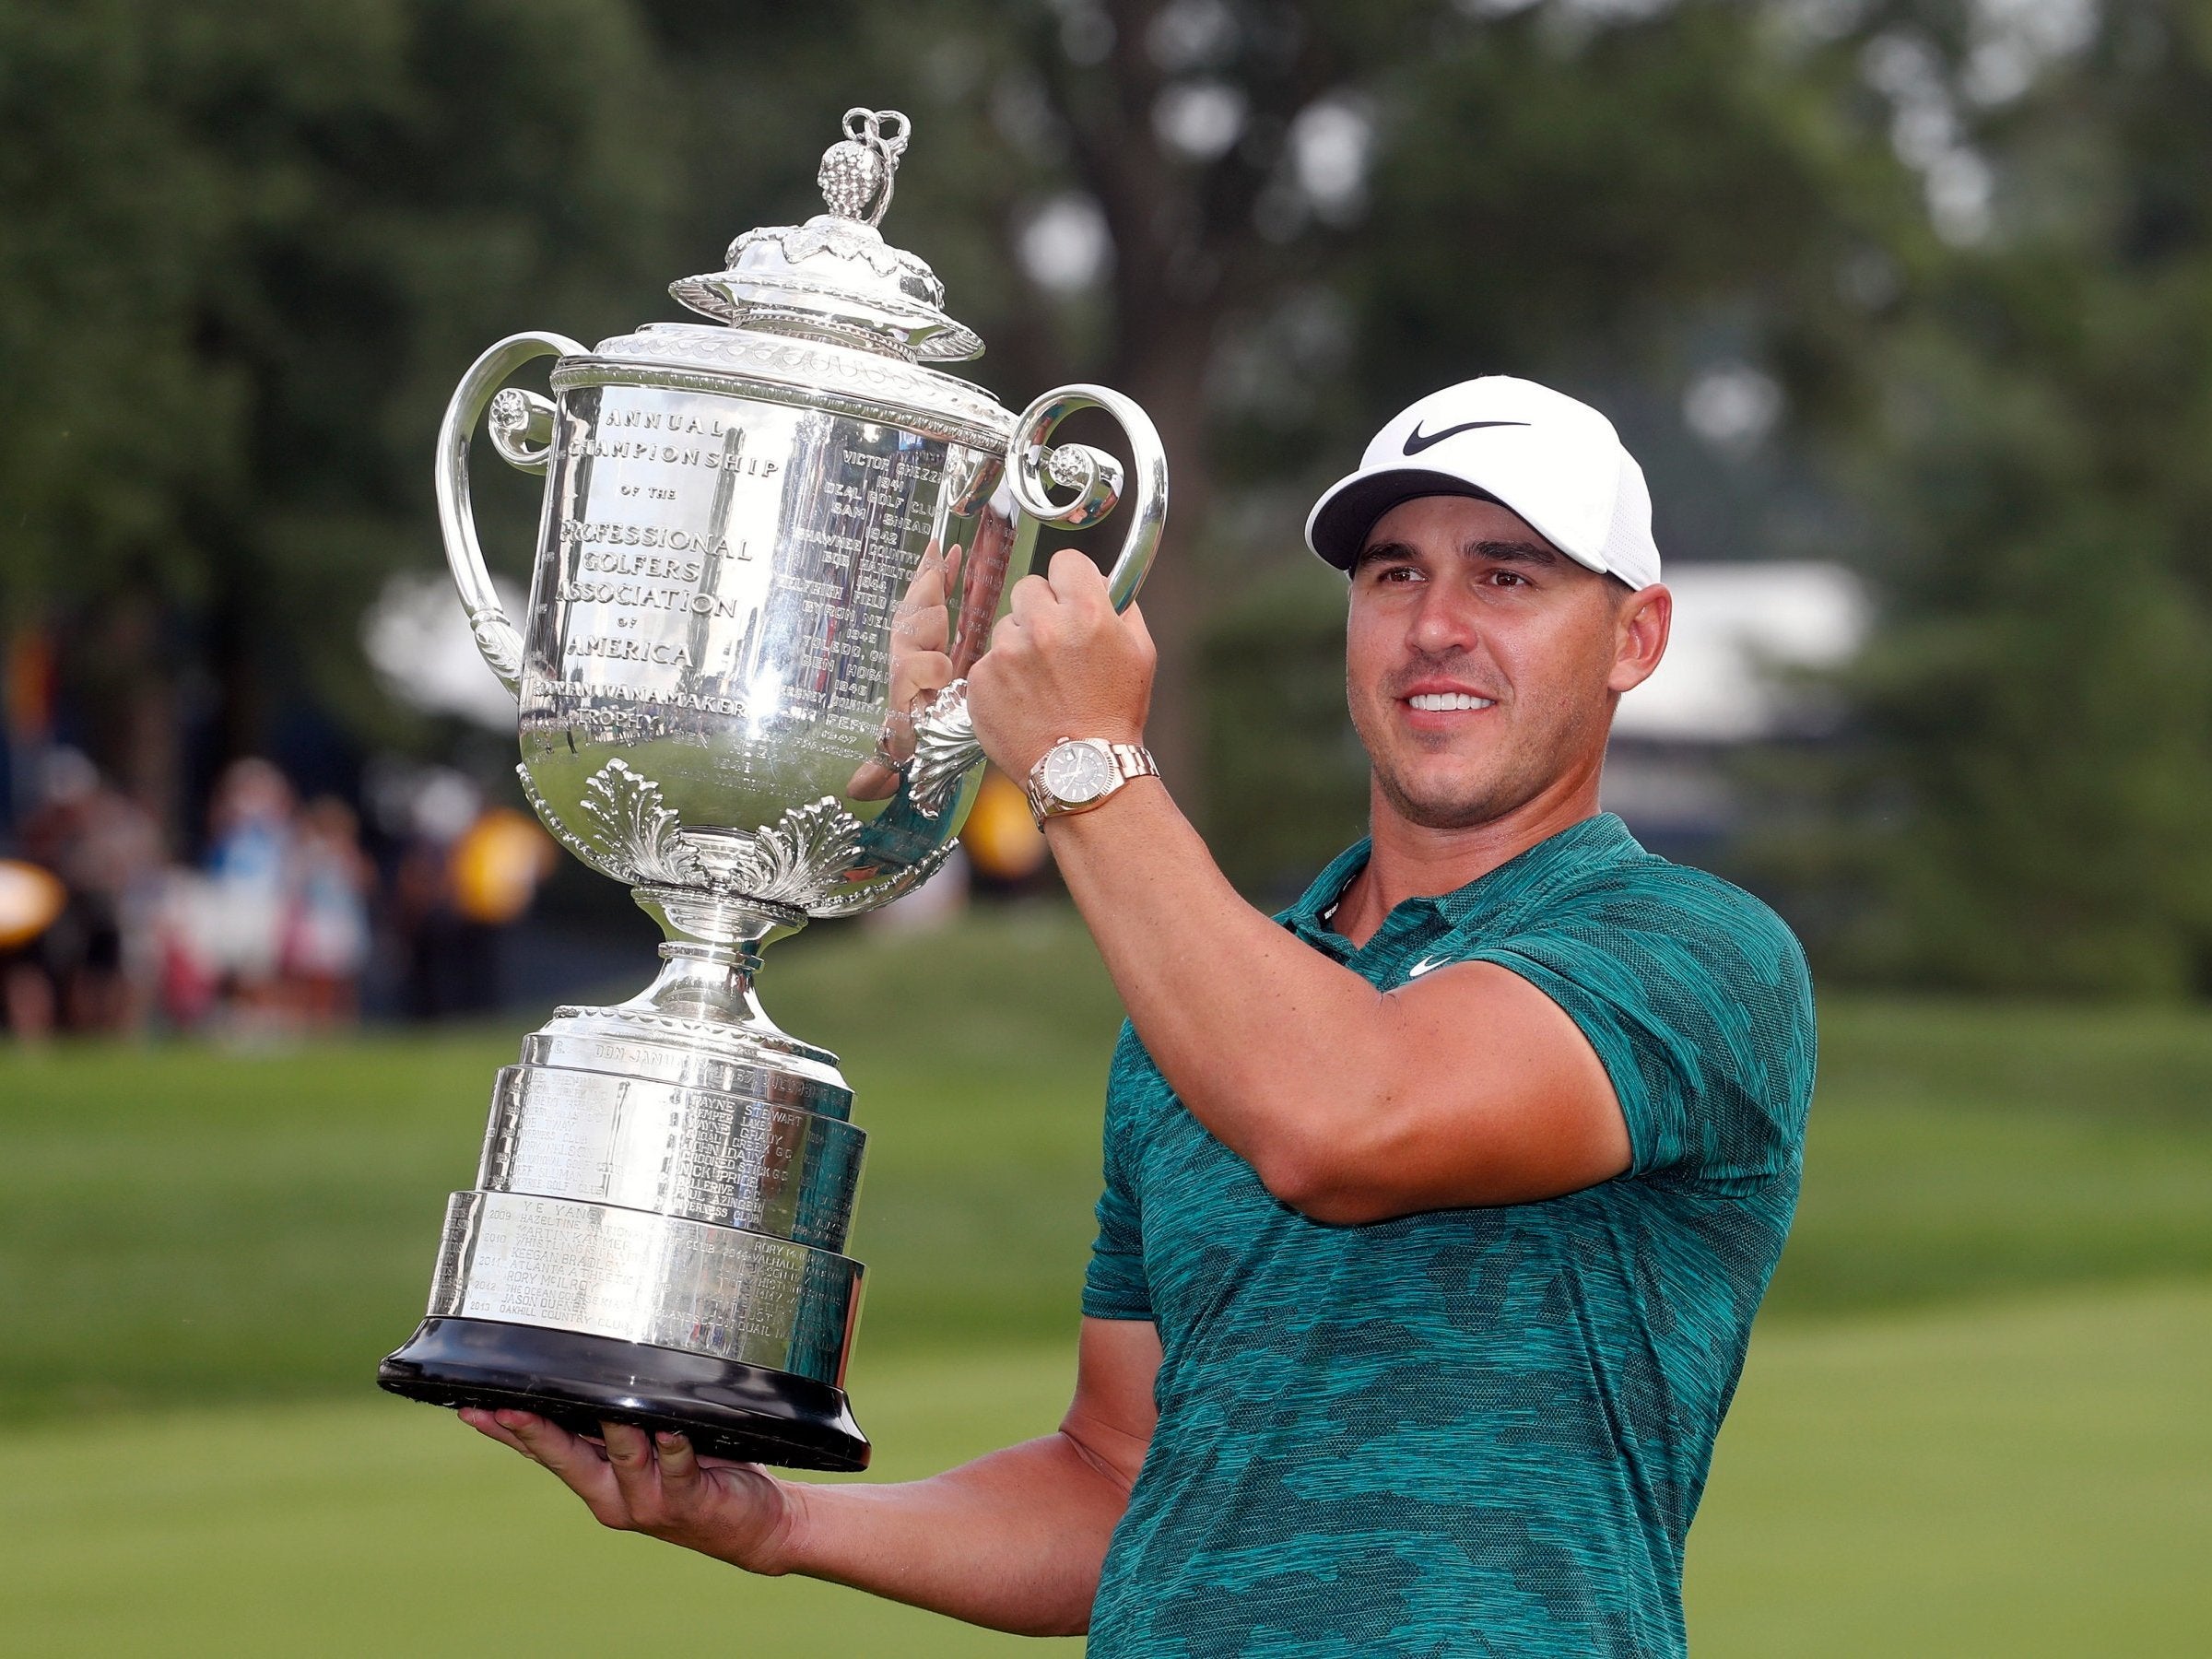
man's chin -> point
(1432, 805)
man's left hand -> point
(656, 1484)
(1062, 664)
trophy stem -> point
(710, 955)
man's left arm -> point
(1468, 1087)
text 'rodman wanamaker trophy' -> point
(770, 546)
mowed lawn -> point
(1973, 1421)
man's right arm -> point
(1013, 1540)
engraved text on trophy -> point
(735, 559)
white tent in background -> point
(1744, 637)
(417, 641)
(1740, 633)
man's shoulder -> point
(1671, 949)
(1643, 894)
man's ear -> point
(1640, 624)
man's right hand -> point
(656, 1484)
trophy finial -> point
(856, 172)
(835, 277)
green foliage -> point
(246, 248)
(2038, 712)
(251, 246)
(1554, 199)
(244, 251)
(1289, 778)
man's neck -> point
(1412, 861)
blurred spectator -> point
(326, 929)
(469, 871)
(275, 930)
(31, 901)
(241, 922)
(497, 865)
(1002, 837)
(106, 852)
(448, 966)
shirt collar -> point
(1600, 839)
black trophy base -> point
(728, 1410)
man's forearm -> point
(1013, 1540)
(1192, 959)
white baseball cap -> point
(1556, 463)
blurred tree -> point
(1964, 250)
(2037, 770)
(245, 248)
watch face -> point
(1076, 771)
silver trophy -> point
(769, 549)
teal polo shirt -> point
(1470, 1432)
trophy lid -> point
(834, 276)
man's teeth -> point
(1433, 700)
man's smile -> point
(1438, 700)
(1435, 704)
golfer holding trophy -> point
(1436, 1209)
(771, 545)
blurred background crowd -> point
(291, 918)
(279, 925)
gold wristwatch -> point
(1079, 773)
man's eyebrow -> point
(1387, 549)
(1511, 552)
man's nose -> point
(1444, 621)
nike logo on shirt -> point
(1425, 964)
(1420, 441)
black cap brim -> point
(1341, 522)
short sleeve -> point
(1115, 1286)
(1698, 1001)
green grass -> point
(2024, 1478)
(377, 1526)
(1958, 1151)
(2020, 1478)
(179, 1224)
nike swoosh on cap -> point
(1419, 440)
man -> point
(1438, 1209)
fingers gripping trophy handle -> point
(946, 746)
(520, 431)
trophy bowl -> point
(770, 546)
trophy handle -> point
(521, 433)
(944, 744)
(1095, 476)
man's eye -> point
(1397, 574)
(1508, 579)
